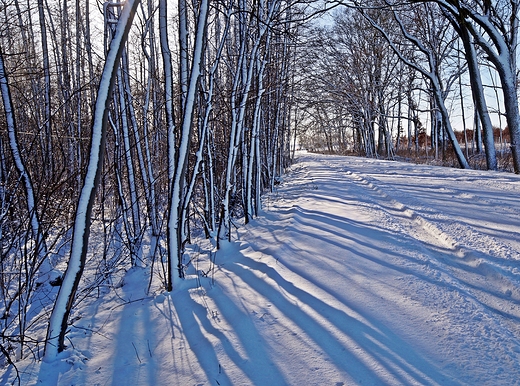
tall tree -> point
(242, 83)
(432, 72)
(41, 249)
(477, 91)
(176, 201)
(58, 321)
(494, 27)
(48, 153)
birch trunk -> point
(477, 91)
(168, 87)
(147, 167)
(48, 159)
(58, 322)
(245, 72)
(205, 121)
(133, 230)
(183, 50)
(254, 160)
(41, 249)
(176, 202)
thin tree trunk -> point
(148, 167)
(133, 231)
(183, 51)
(57, 329)
(176, 203)
(41, 249)
(48, 158)
(477, 90)
(168, 87)
(238, 113)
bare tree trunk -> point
(48, 158)
(19, 163)
(254, 159)
(128, 118)
(58, 321)
(238, 113)
(176, 202)
(147, 167)
(431, 74)
(501, 50)
(477, 90)
(40, 261)
(183, 50)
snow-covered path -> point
(399, 274)
(358, 272)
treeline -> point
(149, 123)
(390, 78)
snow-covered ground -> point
(359, 271)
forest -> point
(130, 130)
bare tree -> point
(242, 82)
(494, 27)
(432, 73)
(63, 305)
(47, 91)
(477, 90)
(176, 202)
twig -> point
(149, 350)
(72, 344)
(8, 358)
(91, 330)
(132, 301)
(139, 359)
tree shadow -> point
(215, 348)
(380, 346)
(465, 271)
(136, 334)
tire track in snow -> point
(492, 286)
(465, 281)
(386, 252)
(443, 239)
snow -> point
(358, 271)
